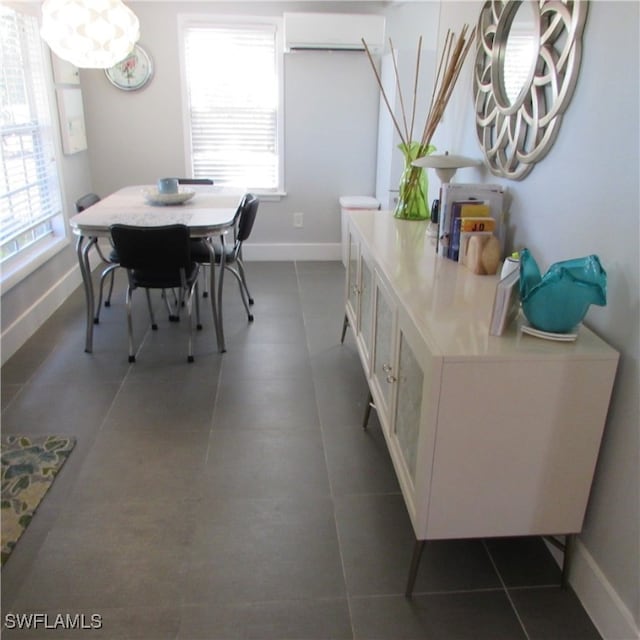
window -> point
(232, 77)
(30, 204)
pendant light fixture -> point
(91, 34)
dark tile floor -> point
(238, 497)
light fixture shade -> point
(91, 34)
(445, 161)
(445, 165)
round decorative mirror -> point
(517, 65)
(526, 69)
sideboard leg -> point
(345, 324)
(367, 411)
(418, 548)
(569, 546)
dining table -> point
(207, 212)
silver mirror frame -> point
(514, 136)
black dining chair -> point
(85, 201)
(243, 224)
(201, 249)
(111, 260)
(201, 182)
(158, 258)
(196, 181)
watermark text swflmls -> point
(80, 621)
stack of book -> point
(468, 210)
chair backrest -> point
(249, 210)
(239, 210)
(162, 249)
(86, 201)
(203, 181)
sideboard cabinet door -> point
(353, 281)
(412, 437)
(408, 404)
(359, 299)
(365, 319)
(383, 369)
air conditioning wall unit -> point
(333, 31)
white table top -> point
(209, 212)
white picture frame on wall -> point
(64, 72)
(71, 114)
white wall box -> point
(339, 31)
(71, 115)
(349, 203)
(64, 72)
(489, 436)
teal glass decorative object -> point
(559, 300)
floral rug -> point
(29, 466)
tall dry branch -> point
(454, 52)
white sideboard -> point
(489, 436)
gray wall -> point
(584, 198)
(330, 107)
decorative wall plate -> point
(132, 73)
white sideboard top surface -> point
(449, 305)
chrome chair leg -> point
(205, 279)
(245, 301)
(154, 326)
(82, 250)
(132, 356)
(221, 270)
(109, 270)
(197, 296)
(107, 302)
(244, 278)
(189, 305)
(178, 302)
(174, 316)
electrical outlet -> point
(298, 219)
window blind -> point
(232, 92)
(29, 187)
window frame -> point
(18, 267)
(202, 20)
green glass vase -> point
(414, 185)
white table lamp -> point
(445, 165)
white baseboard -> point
(23, 327)
(604, 606)
(291, 251)
(16, 334)
(600, 600)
